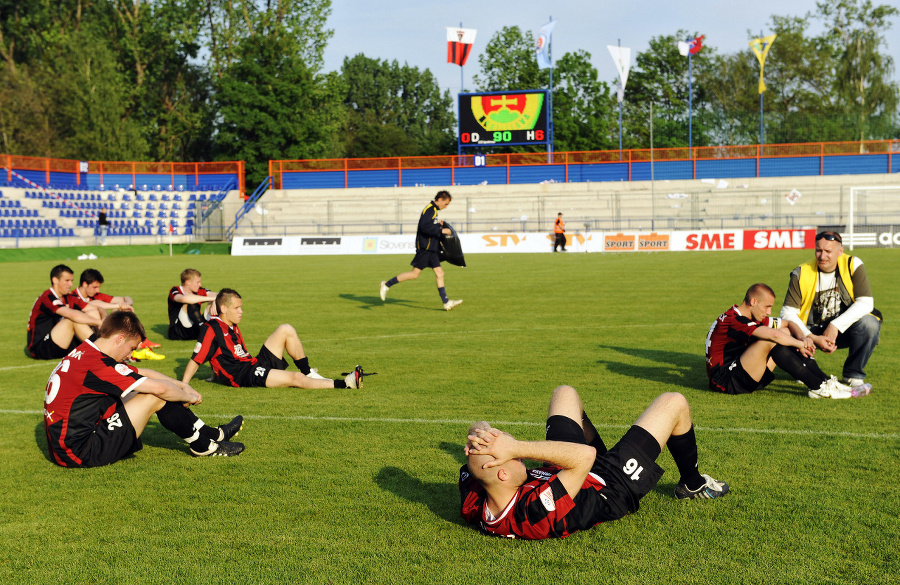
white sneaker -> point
(314, 374)
(450, 304)
(853, 382)
(831, 388)
(383, 291)
(354, 379)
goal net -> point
(873, 220)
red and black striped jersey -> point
(541, 508)
(83, 391)
(174, 306)
(223, 347)
(43, 313)
(728, 337)
(100, 296)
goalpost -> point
(874, 217)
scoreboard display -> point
(504, 118)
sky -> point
(413, 31)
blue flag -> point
(543, 46)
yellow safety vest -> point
(809, 278)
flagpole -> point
(761, 129)
(619, 41)
(550, 109)
(690, 108)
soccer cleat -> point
(221, 449)
(147, 354)
(711, 489)
(450, 304)
(148, 344)
(355, 378)
(831, 388)
(229, 430)
(383, 290)
(314, 374)
(860, 390)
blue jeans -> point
(861, 338)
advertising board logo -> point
(320, 241)
(653, 241)
(570, 239)
(262, 242)
(779, 239)
(507, 111)
(370, 244)
(619, 243)
(710, 241)
(502, 240)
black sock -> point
(340, 384)
(684, 451)
(597, 443)
(798, 367)
(184, 423)
(391, 282)
(302, 365)
(443, 294)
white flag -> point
(622, 58)
(543, 45)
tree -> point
(862, 71)
(660, 77)
(582, 106)
(270, 101)
(395, 110)
(508, 62)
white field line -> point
(501, 424)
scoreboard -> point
(504, 118)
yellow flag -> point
(761, 47)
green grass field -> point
(360, 486)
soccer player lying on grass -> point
(96, 407)
(222, 344)
(745, 344)
(88, 291)
(581, 484)
(184, 305)
(58, 323)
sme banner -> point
(532, 243)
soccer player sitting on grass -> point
(580, 483)
(745, 344)
(57, 323)
(184, 304)
(96, 407)
(88, 291)
(222, 344)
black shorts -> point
(253, 375)
(628, 470)
(113, 439)
(46, 349)
(426, 259)
(177, 330)
(732, 378)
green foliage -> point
(508, 62)
(360, 486)
(583, 109)
(395, 111)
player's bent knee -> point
(564, 391)
(675, 401)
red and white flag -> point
(691, 46)
(459, 44)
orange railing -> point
(133, 168)
(699, 153)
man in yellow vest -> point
(831, 300)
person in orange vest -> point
(559, 228)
